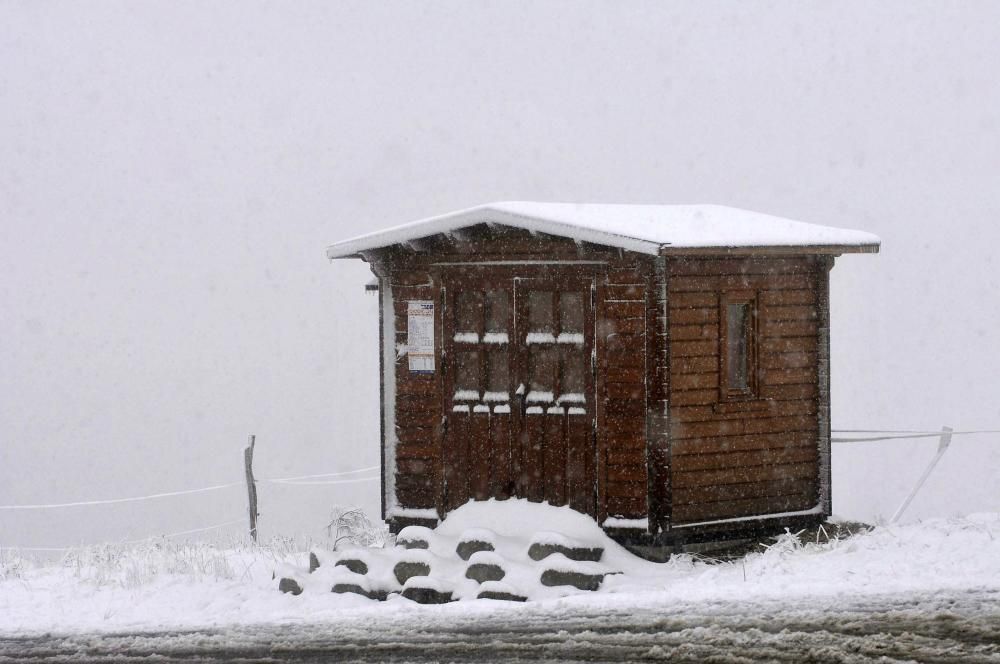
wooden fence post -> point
(943, 444)
(251, 486)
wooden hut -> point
(664, 369)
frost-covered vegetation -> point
(129, 566)
(350, 525)
(135, 565)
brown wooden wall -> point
(754, 457)
(622, 319)
(418, 401)
(623, 313)
(666, 445)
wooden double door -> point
(519, 390)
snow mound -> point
(549, 538)
(118, 588)
(478, 535)
(540, 551)
(557, 562)
(497, 587)
(486, 558)
(340, 575)
(514, 517)
(427, 583)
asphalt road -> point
(940, 627)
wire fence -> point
(141, 540)
(113, 501)
(317, 479)
(900, 434)
(277, 480)
(347, 477)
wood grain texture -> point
(745, 475)
(737, 508)
(752, 455)
(731, 492)
(730, 459)
(733, 444)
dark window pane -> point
(542, 369)
(467, 371)
(737, 340)
(468, 311)
(497, 311)
(571, 312)
(573, 367)
(540, 312)
(499, 373)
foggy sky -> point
(170, 174)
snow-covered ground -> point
(946, 626)
(176, 587)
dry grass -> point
(831, 531)
(130, 565)
(824, 533)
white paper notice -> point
(420, 335)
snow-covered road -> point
(952, 626)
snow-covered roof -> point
(647, 229)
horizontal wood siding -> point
(743, 458)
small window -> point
(737, 359)
(738, 331)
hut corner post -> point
(251, 486)
(658, 446)
(825, 487)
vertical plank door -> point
(478, 376)
(554, 397)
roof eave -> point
(334, 252)
(457, 221)
(771, 250)
(579, 233)
(333, 255)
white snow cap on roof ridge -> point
(642, 228)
